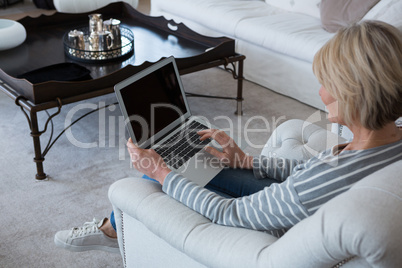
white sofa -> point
(278, 37)
(81, 6)
(363, 223)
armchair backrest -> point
(363, 223)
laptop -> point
(157, 116)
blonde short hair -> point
(361, 67)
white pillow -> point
(308, 7)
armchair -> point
(359, 228)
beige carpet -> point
(32, 212)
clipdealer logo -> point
(242, 129)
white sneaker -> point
(87, 237)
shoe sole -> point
(73, 248)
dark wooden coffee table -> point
(154, 38)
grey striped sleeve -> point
(274, 208)
(277, 168)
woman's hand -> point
(147, 161)
(231, 154)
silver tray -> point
(126, 49)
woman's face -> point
(331, 103)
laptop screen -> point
(153, 102)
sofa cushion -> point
(336, 14)
(291, 34)
(388, 11)
(221, 16)
(307, 7)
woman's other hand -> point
(231, 154)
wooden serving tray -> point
(154, 38)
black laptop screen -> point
(153, 102)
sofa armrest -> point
(300, 140)
(210, 244)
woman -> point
(361, 75)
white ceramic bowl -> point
(12, 34)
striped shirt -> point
(301, 189)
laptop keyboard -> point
(179, 148)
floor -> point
(28, 8)
(22, 9)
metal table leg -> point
(240, 78)
(32, 119)
(238, 75)
(39, 158)
(36, 133)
